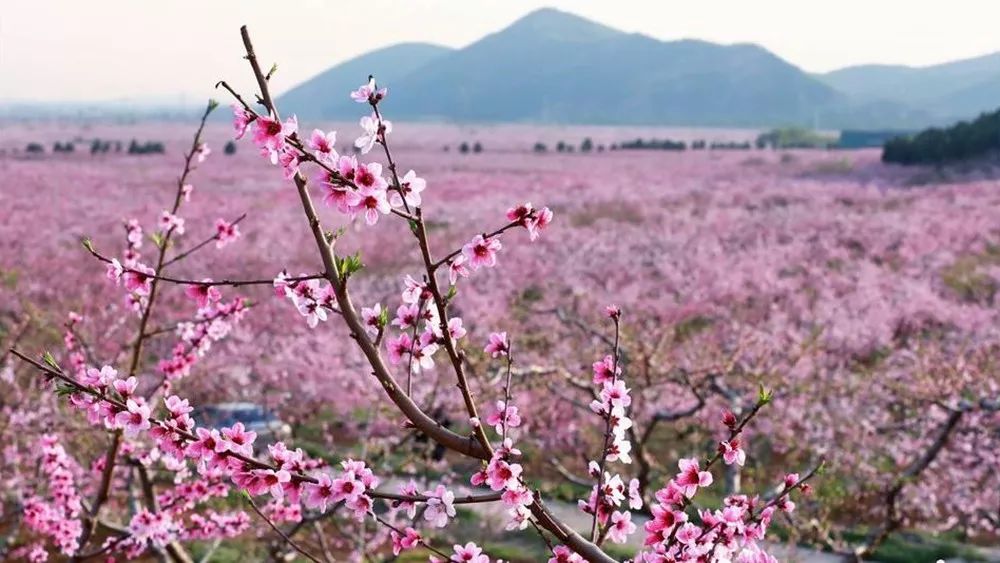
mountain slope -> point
(551, 66)
(325, 96)
(555, 67)
(956, 89)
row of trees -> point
(781, 138)
(588, 145)
(938, 145)
(104, 146)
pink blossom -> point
(202, 151)
(171, 223)
(288, 158)
(563, 554)
(135, 419)
(399, 347)
(407, 316)
(413, 290)
(606, 370)
(688, 533)
(501, 475)
(370, 197)
(125, 387)
(269, 134)
(324, 144)
(225, 233)
(470, 552)
(481, 251)
(664, 519)
(732, 452)
(372, 317)
(207, 444)
(621, 526)
(539, 222)
(497, 345)
(411, 187)
(455, 328)
(457, 268)
(503, 416)
(440, 507)
(313, 311)
(729, 419)
(634, 498)
(241, 119)
(138, 279)
(374, 129)
(115, 271)
(368, 93)
(408, 489)
(691, 477)
(320, 494)
(237, 439)
(99, 379)
(410, 539)
(616, 394)
(203, 293)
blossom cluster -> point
(56, 515)
(610, 494)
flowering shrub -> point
(153, 433)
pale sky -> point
(175, 50)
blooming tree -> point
(175, 468)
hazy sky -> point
(175, 50)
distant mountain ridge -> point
(554, 67)
(954, 90)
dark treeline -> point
(938, 145)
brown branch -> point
(181, 281)
(912, 471)
(201, 244)
(447, 438)
(278, 531)
(607, 431)
(420, 419)
(250, 461)
(101, 496)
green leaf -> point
(63, 390)
(414, 228)
(452, 292)
(348, 265)
(270, 73)
(88, 244)
(212, 104)
(764, 395)
(51, 361)
(383, 318)
(157, 239)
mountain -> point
(555, 67)
(958, 89)
(325, 96)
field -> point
(864, 295)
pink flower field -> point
(851, 303)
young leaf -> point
(50, 360)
